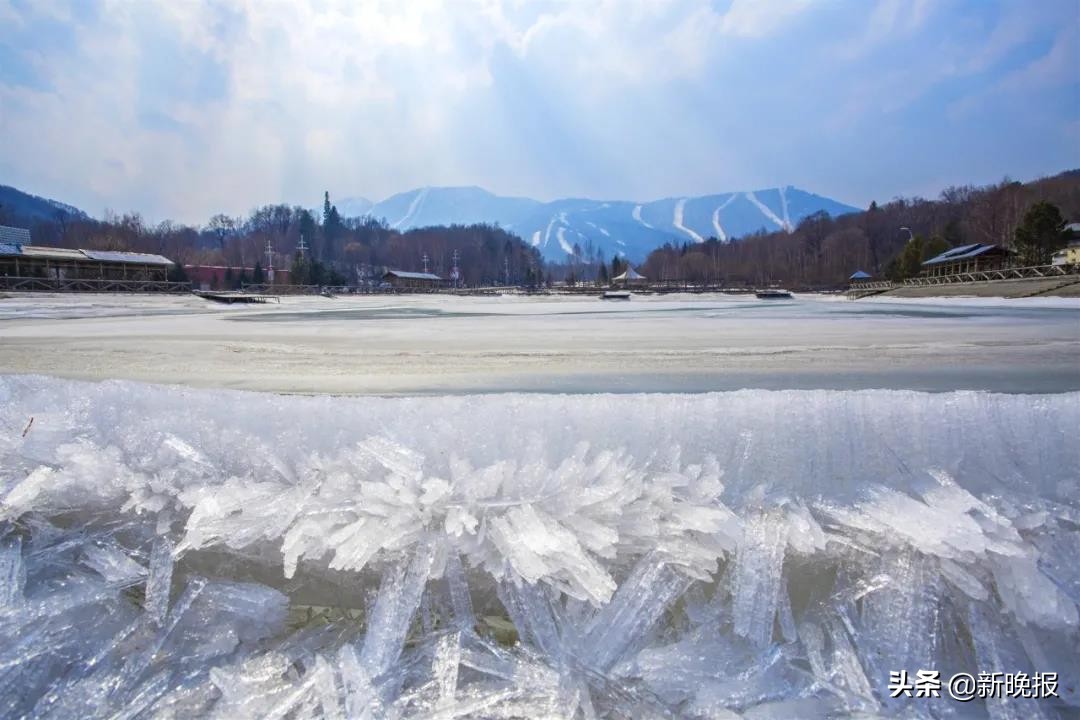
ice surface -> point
(547, 343)
(173, 553)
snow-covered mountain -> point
(628, 228)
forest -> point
(889, 240)
(339, 251)
(823, 252)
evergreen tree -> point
(257, 274)
(934, 247)
(618, 266)
(1040, 234)
(331, 230)
(299, 274)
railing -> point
(866, 288)
(369, 290)
(40, 284)
(1011, 273)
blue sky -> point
(184, 109)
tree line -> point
(890, 240)
(338, 250)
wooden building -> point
(403, 280)
(19, 259)
(968, 258)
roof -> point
(412, 275)
(51, 253)
(859, 275)
(14, 235)
(966, 252)
(55, 253)
(1073, 228)
(630, 274)
(117, 256)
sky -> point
(189, 108)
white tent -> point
(630, 276)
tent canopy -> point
(630, 274)
(859, 275)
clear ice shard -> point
(461, 600)
(758, 576)
(12, 572)
(159, 581)
(623, 624)
(750, 554)
(900, 620)
(399, 597)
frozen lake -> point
(771, 552)
(439, 344)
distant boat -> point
(773, 294)
(616, 295)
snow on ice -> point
(175, 553)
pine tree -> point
(1040, 234)
(298, 274)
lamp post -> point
(906, 229)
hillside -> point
(23, 209)
(823, 251)
(615, 227)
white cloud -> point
(184, 109)
(759, 18)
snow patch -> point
(636, 214)
(417, 201)
(677, 221)
(766, 211)
(783, 204)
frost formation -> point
(172, 553)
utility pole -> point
(269, 262)
(455, 271)
(301, 247)
(425, 260)
(506, 271)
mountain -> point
(20, 208)
(350, 207)
(618, 226)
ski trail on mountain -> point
(536, 239)
(783, 204)
(413, 207)
(636, 214)
(603, 231)
(560, 234)
(677, 221)
(547, 232)
(765, 210)
(720, 234)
